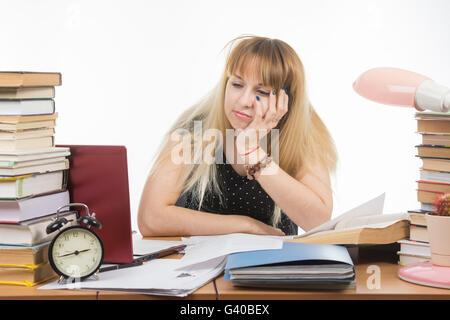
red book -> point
(98, 177)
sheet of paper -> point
(203, 248)
(141, 246)
(379, 221)
(371, 207)
(158, 277)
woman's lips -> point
(241, 115)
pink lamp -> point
(400, 87)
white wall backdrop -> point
(130, 67)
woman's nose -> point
(247, 98)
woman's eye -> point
(262, 92)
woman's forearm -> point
(178, 221)
(305, 207)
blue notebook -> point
(296, 265)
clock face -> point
(76, 252)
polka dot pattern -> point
(240, 196)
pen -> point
(141, 260)
(121, 266)
(161, 253)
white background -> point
(130, 67)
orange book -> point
(18, 79)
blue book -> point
(296, 265)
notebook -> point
(98, 177)
(296, 265)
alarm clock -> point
(76, 252)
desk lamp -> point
(398, 87)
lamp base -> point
(426, 274)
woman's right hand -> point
(254, 226)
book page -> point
(369, 208)
(378, 221)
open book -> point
(364, 224)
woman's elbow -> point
(326, 212)
(147, 224)
(321, 216)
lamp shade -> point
(399, 87)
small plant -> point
(442, 205)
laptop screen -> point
(98, 177)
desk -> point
(7, 292)
(390, 287)
(207, 292)
(10, 292)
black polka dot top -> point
(240, 196)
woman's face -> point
(240, 97)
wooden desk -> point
(207, 292)
(10, 292)
(370, 263)
(390, 287)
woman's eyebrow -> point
(259, 84)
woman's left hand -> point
(268, 112)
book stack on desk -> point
(33, 174)
(434, 152)
(416, 248)
(434, 180)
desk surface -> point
(10, 292)
(388, 287)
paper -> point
(142, 247)
(157, 277)
(204, 248)
(375, 222)
(369, 208)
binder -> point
(296, 265)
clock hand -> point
(76, 252)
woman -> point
(261, 99)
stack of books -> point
(33, 175)
(434, 152)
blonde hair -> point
(303, 137)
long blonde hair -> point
(303, 137)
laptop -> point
(98, 177)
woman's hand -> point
(268, 112)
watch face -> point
(76, 252)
